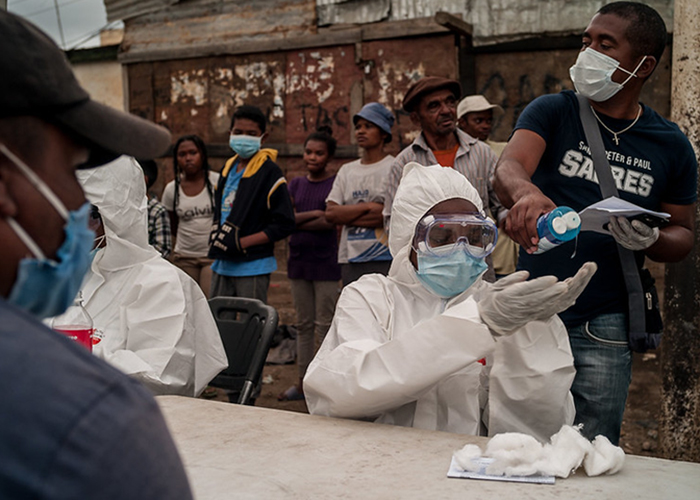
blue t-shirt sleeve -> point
(542, 116)
(119, 449)
(683, 179)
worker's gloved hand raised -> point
(512, 302)
(634, 235)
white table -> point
(233, 451)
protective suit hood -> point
(399, 354)
(152, 319)
(119, 192)
(422, 188)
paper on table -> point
(595, 216)
(483, 462)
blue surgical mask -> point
(244, 145)
(46, 287)
(449, 272)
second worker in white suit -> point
(154, 321)
(406, 349)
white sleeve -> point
(364, 369)
(162, 336)
(336, 194)
(168, 197)
(532, 372)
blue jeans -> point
(603, 364)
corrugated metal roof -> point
(412, 9)
(126, 9)
(352, 11)
(371, 11)
(494, 21)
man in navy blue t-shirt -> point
(71, 426)
(547, 163)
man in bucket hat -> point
(71, 426)
(432, 105)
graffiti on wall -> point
(514, 99)
(316, 115)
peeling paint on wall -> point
(298, 90)
(185, 84)
(316, 75)
(394, 78)
(246, 83)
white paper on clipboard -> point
(595, 216)
(457, 472)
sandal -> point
(291, 394)
(210, 392)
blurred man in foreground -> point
(71, 426)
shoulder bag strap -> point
(635, 292)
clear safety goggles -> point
(446, 233)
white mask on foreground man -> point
(409, 349)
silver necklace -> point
(615, 134)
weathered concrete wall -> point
(680, 422)
(494, 21)
(514, 79)
(191, 25)
(103, 81)
(507, 20)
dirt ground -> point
(640, 423)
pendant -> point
(617, 141)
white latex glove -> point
(512, 302)
(634, 235)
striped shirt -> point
(475, 160)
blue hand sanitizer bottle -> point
(556, 227)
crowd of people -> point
(419, 298)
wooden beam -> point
(454, 24)
(401, 29)
(96, 54)
(326, 37)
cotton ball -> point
(567, 450)
(604, 458)
(464, 457)
(514, 454)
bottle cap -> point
(572, 220)
(559, 225)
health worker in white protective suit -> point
(154, 321)
(408, 349)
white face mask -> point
(592, 75)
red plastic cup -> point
(80, 334)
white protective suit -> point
(155, 321)
(399, 354)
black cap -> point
(37, 80)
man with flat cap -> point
(432, 104)
(71, 425)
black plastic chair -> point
(246, 327)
